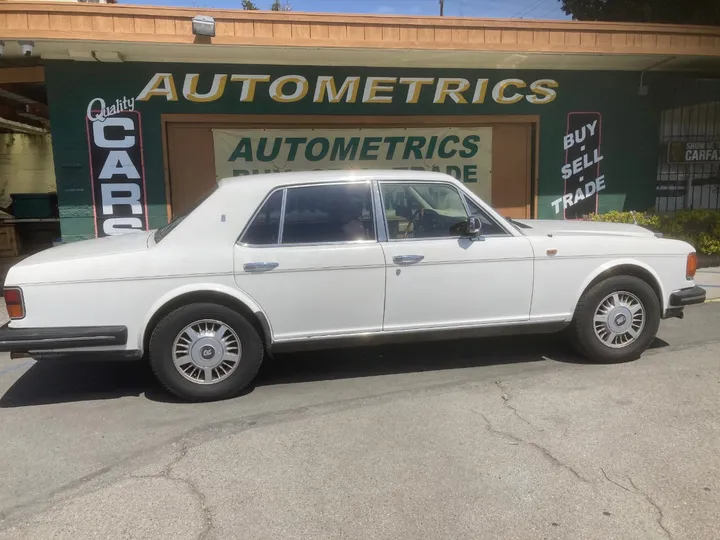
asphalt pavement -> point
(512, 438)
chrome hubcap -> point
(619, 319)
(206, 351)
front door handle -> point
(260, 266)
(408, 259)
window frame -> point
(410, 182)
(281, 226)
(490, 218)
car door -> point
(310, 258)
(435, 277)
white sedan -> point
(282, 261)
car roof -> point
(305, 177)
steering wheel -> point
(422, 213)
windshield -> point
(167, 229)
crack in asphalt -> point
(637, 491)
(207, 432)
(543, 451)
(614, 482)
(167, 474)
(506, 397)
(655, 505)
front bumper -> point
(23, 340)
(687, 297)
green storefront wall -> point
(629, 122)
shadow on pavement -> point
(50, 381)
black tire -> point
(161, 357)
(582, 330)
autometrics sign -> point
(292, 88)
(465, 153)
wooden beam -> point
(15, 75)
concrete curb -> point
(712, 300)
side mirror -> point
(471, 228)
(474, 226)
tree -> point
(280, 6)
(653, 11)
(249, 5)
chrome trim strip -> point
(281, 229)
(379, 214)
(65, 339)
(474, 261)
(415, 329)
(385, 227)
(316, 244)
(323, 269)
(392, 265)
(433, 238)
(129, 278)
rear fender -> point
(216, 288)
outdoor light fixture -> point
(202, 25)
(27, 47)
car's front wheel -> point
(616, 320)
(205, 352)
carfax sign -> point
(465, 153)
(694, 152)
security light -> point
(202, 25)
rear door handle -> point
(408, 259)
(260, 266)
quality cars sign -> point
(465, 153)
(116, 168)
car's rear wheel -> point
(616, 320)
(205, 352)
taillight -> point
(691, 266)
(14, 303)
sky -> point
(526, 9)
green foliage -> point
(656, 11)
(641, 218)
(280, 6)
(701, 228)
(248, 5)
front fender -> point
(615, 263)
(235, 293)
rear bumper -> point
(24, 340)
(687, 297)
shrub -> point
(701, 228)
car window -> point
(422, 210)
(490, 227)
(265, 226)
(334, 213)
